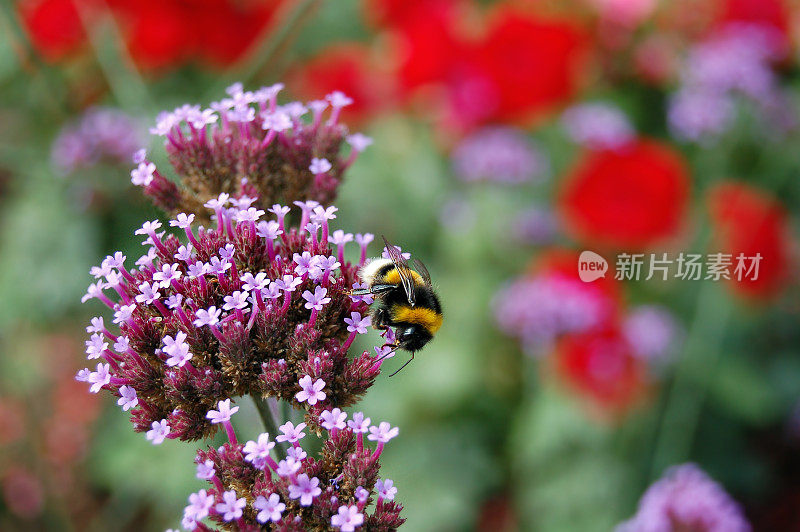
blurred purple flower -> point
(498, 154)
(537, 226)
(539, 310)
(100, 133)
(699, 115)
(686, 498)
(598, 126)
(736, 61)
(651, 331)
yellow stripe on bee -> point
(426, 317)
(393, 277)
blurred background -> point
(509, 136)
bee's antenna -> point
(404, 365)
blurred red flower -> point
(630, 198)
(564, 262)
(348, 68)
(521, 65)
(534, 63)
(158, 34)
(398, 13)
(54, 26)
(746, 220)
(772, 13)
(600, 366)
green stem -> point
(686, 396)
(51, 77)
(269, 417)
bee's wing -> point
(403, 270)
(423, 271)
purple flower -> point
(317, 299)
(651, 331)
(99, 134)
(383, 432)
(168, 273)
(95, 346)
(237, 300)
(359, 142)
(142, 175)
(538, 310)
(385, 489)
(598, 126)
(333, 419)
(699, 115)
(207, 317)
(127, 398)
(686, 498)
(304, 489)
(296, 452)
(498, 154)
(311, 392)
(122, 344)
(182, 220)
(361, 494)
(158, 432)
(355, 323)
(291, 433)
(223, 412)
(99, 378)
(319, 166)
(258, 450)
(288, 467)
(270, 509)
(339, 99)
(347, 518)
(231, 507)
(200, 504)
(303, 262)
(205, 470)
(288, 283)
(358, 423)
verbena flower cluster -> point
(686, 498)
(253, 486)
(247, 144)
(249, 306)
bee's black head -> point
(412, 338)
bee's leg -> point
(380, 319)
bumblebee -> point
(403, 299)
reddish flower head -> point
(631, 198)
(54, 27)
(773, 13)
(533, 63)
(350, 69)
(601, 367)
(749, 222)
